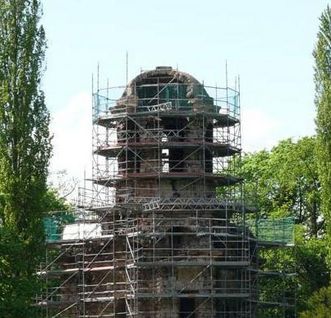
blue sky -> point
(268, 43)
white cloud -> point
(259, 130)
(72, 131)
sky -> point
(268, 44)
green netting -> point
(53, 225)
(51, 229)
(177, 94)
(273, 230)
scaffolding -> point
(154, 239)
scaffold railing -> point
(149, 137)
(221, 100)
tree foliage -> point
(322, 55)
(24, 153)
(319, 304)
(284, 182)
(24, 119)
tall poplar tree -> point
(24, 153)
(322, 55)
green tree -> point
(312, 272)
(24, 153)
(24, 135)
(284, 182)
(319, 304)
(322, 55)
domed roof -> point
(161, 74)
